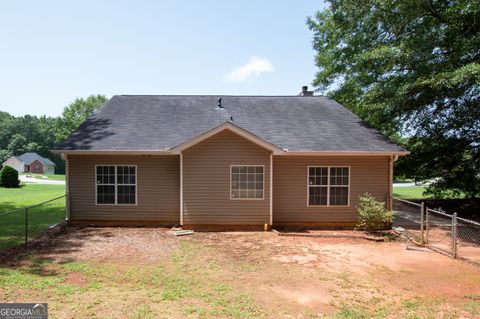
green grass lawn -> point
(12, 226)
(55, 177)
(410, 192)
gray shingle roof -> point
(296, 123)
(28, 158)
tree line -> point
(20, 134)
(411, 69)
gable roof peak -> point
(30, 157)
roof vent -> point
(219, 104)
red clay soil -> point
(285, 276)
(76, 278)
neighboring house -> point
(31, 163)
(234, 161)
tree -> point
(76, 112)
(410, 69)
(40, 134)
(17, 144)
(9, 177)
(7, 129)
(4, 155)
(32, 147)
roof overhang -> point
(178, 149)
(233, 128)
(111, 152)
(345, 153)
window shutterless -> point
(116, 184)
(328, 186)
(246, 181)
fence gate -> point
(408, 215)
(440, 231)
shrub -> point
(9, 177)
(372, 214)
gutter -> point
(112, 152)
(285, 152)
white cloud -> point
(254, 67)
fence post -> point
(427, 224)
(422, 210)
(26, 225)
(454, 235)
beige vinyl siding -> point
(290, 190)
(49, 169)
(206, 183)
(13, 162)
(158, 189)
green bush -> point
(372, 214)
(9, 177)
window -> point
(328, 186)
(246, 182)
(318, 186)
(116, 184)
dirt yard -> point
(149, 273)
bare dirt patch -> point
(149, 273)
(76, 278)
(128, 245)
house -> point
(225, 162)
(31, 163)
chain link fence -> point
(438, 230)
(468, 239)
(21, 225)
(408, 215)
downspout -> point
(181, 189)
(271, 189)
(393, 159)
(67, 190)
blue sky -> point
(55, 51)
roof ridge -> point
(219, 95)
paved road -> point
(410, 184)
(403, 184)
(24, 178)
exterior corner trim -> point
(181, 189)
(271, 189)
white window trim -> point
(328, 185)
(116, 184)
(263, 182)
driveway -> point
(24, 178)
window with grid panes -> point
(116, 184)
(328, 186)
(246, 182)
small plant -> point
(372, 214)
(9, 177)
